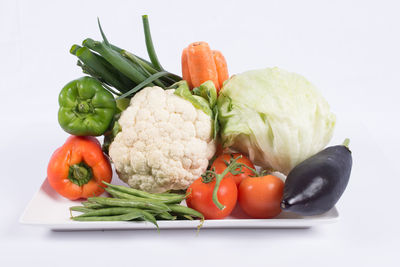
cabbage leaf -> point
(277, 118)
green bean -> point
(149, 44)
(187, 213)
(92, 205)
(173, 198)
(119, 194)
(117, 214)
(157, 214)
(183, 210)
(147, 216)
(108, 211)
(116, 60)
(168, 194)
(165, 216)
(188, 217)
(80, 209)
(129, 203)
(123, 217)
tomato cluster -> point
(258, 196)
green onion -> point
(136, 61)
(115, 59)
(98, 64)
(170, 78)
(144, 83)
(102, 33)
(149, 44)
(121, 72)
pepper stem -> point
(80, 173)
(84, 107)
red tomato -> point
(260, 197)
(220, 165)
(201, 200)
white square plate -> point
(49, 209)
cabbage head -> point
(277, 118)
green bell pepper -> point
(86, 108)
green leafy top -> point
(203, 97)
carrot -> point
(185, 68)
(222, 68)
(201, 64)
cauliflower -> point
(165, 142)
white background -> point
(349, 49)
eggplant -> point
(315, 185)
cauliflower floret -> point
(165, 142)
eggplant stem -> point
(346, 142)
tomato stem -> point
(255, 172)
(241, 165)
(218, 178)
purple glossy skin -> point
(316, 184)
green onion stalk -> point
(121, 72)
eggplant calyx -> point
(346, 143)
